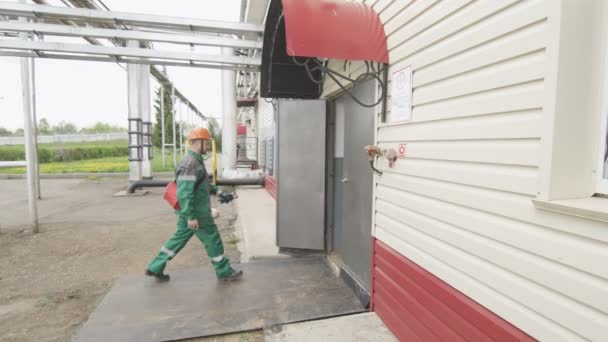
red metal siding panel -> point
(270, 184)
(413, 302)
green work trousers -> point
(209, 236)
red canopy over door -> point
(331, 29)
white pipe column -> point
(146, 117)
(181, 129)
(35, 122)
(173, 102)
(229, 115)
(135, 151)
(30, 154)
(162, 121)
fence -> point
(65, 138)
(266, 160)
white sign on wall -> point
(401, 95)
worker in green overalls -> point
(195, 218)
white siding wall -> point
(460, 205)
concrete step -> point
(256, 224)
(365, 327)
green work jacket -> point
(193, 189)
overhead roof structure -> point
(93, 23)
(127, 18)
(161, 77)
(137, 26)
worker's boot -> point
(234, 276)
(159, 276)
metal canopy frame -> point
(125, 18)
(120, 27)
(41, 48)
(76, 31)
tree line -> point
(44, 128)
(213, 125)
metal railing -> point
(66, 138)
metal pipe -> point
(146, 118)
(157, 183)
(123, 59)
(162, 121)
(229, 114)
(135, 19)
(181, 129)
(29, 143)
(240, 181)
(160, 77)
(80, 31)
(173, 117)
(221, 61)
(35, 122)
(135, 153)
(146, 183)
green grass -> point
(56, 146)
(101, 165)
(59, 152)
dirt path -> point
(51, 282)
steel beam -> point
(175, 38)
(12, 53)
(136, 19)
(160, 77)
(162, 121)
(129, 52)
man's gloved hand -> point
(193, 224)
(226, 197)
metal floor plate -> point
(195, 304)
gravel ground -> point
(52, 281)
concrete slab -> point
(256, 224)
(195, 304)
(366, 327)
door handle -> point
(344, 180)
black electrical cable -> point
(331, 73)
(271, 102)
(307, 68)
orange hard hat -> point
(199, 133)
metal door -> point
(354, 240)
(301, 174)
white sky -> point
(88, 92)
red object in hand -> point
(171, 195)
